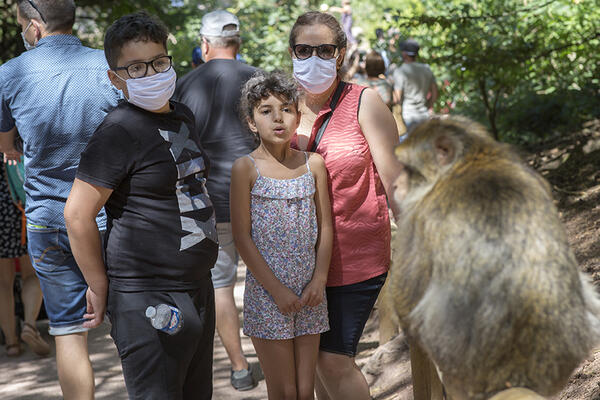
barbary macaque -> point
(483, 277)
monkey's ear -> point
(445, 150)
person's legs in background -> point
(7, 307)
(411, 122)
(227, 317)
(12, 245)
(228, 326)
(31, 296)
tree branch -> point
(547, 52)
(463, 17)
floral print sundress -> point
(284, 229)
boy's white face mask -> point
(151, 92)
(315, 74)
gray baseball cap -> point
(214, 22)
(410, 47)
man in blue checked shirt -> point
(54, 96)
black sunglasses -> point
(324, 51)
(32, 4)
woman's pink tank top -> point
(361, 239)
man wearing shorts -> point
(55, 95)
(212, 91)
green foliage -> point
(494, 50)
(526, 67)
(266, 25)
(10, 38)
(183, 23)
(534, 116)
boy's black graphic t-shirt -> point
(161, 231)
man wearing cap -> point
(415, 90)
(212, 91)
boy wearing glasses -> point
(144, 164)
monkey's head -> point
(430, 151)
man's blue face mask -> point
(27, 45)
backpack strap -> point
(332, 105)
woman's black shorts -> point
(349, 309)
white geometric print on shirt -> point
(190, 175)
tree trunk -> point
(490, 109)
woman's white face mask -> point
(151, 92)
(314, 74)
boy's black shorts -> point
(157, 365)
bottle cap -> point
(150, 312)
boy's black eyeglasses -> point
(140, 69)
(324, 51)
(32, 4)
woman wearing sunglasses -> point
(357, 141)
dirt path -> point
(30, 377)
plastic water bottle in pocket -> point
(165, 318)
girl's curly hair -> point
(264, 84)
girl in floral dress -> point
(281, 221)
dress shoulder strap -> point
(306, 158)
(253, 162)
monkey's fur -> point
(483, 276)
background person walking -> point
(415, 90)
(212, 91)
(13, 246)
(55, 95)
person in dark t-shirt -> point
(145, 165)
(213, 92)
